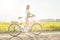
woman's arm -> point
(30, 15)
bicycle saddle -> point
(20, 17)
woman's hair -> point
(28, 6)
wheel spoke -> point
(36, 28)
(14, 29)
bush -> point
(55, 28)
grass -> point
(45, 25)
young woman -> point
(28, 15)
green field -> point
(45, 25)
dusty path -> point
(30, 36)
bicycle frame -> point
(28, 27)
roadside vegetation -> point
(48, 26)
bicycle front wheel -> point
(36, 28)
(14, 30)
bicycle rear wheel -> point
(36, 28)
(14, 30)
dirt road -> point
(31, 36)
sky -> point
(10, 10)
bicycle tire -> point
(11, 32)
(40, 26)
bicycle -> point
(15, 29)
